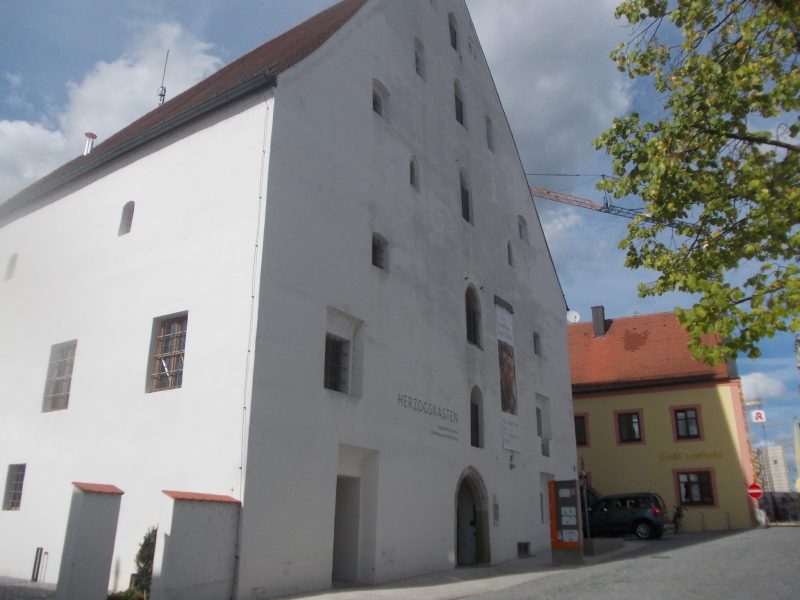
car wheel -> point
(643, 530)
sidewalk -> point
(466, 581)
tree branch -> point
(751, 139)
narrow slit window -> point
(380, 252)
(459, 103)
(453, 31)
(466, 202)
(419, 58)
(413, 173)
(126, 221)
(473, 312)
(11, 266)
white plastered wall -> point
(338, 174)
(193, 247)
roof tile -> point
(642, 349)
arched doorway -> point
(472, 520)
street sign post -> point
(754, 491)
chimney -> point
(90, 138)
(599, 320)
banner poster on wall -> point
(505, 348)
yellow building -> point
(651, 418)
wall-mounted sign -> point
(510, 433)
(446, 419)
(758, 416)
(505, 349)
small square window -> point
(59, 376)
(337, 363)
(12, 499)
(169, 347)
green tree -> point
(718, 166)
(144, 561)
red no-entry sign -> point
(754, 491)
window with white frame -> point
(168, 348)
(59, 376)
(15, 478)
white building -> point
(774, 472)
(298, 285)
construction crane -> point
(607, 207)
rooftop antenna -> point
(162, 91)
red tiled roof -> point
(98, 488)
(266, 61)
(638, 350)
(197, 497)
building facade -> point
(315, 284)
(651, 418)
(773, 469)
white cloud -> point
(761, 385)
(110, 96)
(558, 86)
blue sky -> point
(69, 66)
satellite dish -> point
(573, 316)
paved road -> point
(761, 564)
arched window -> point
(419, 58)
(380, 98)
(413, 173)
(476, 418)
(466, 201)
(126, 221)
(489, 134)
(453, 31)
(459, 102)
(510, 252)
(473, 310)
(523, 229)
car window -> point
(643, 502)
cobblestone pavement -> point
(19, 589)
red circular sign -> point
(754, 491)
